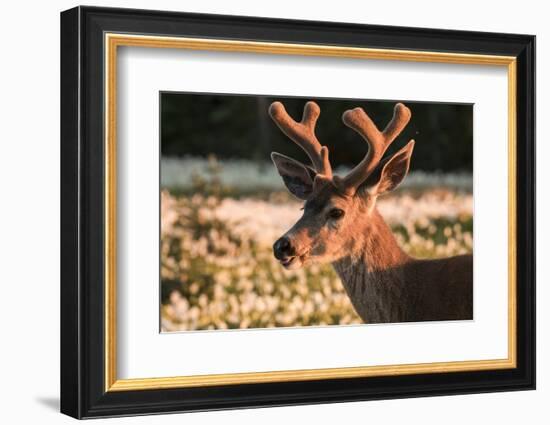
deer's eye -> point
(336, 213)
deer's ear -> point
(298, 178)
(392, 172)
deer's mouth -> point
(293, 262)
(287, 262)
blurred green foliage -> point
(238, 126)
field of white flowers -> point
(248, 176)
(218, 270)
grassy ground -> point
(218, 270)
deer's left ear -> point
(298, 178)
(393, 171)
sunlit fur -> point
(318, 238)
(382, 281)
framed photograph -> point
(261, 212)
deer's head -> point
(336, 208)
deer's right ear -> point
(298, 178)
(391, 172)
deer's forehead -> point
(326, 197)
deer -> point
(341, 225)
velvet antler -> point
(303, 134)
(377, 140)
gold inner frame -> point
(113, 41)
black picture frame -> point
(83, 392)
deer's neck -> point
(374, 274)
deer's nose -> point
(282, 248)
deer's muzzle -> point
(283, 248)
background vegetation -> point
(239, 127)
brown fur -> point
(386, 285)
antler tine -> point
(303, 134)
(377, 140)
